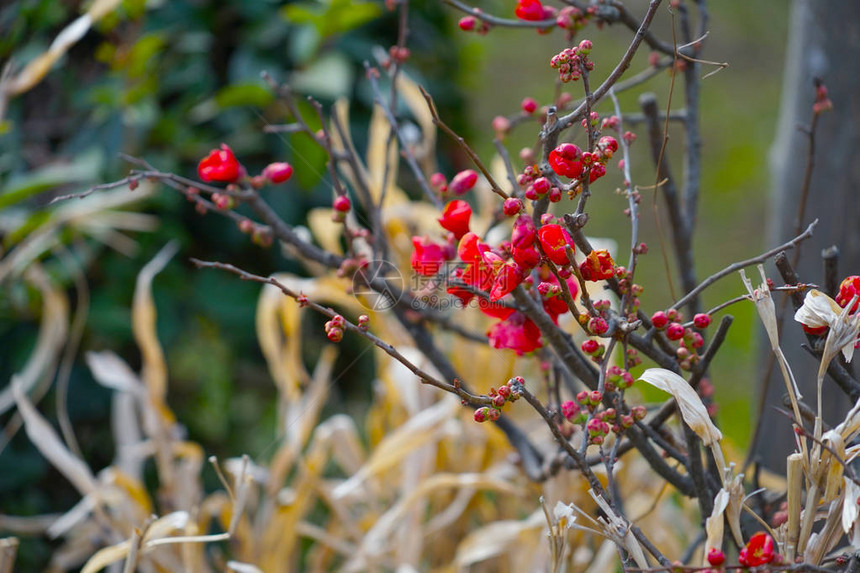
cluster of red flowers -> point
(568, 160)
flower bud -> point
(278, 172)
(702, 320)
(529, 105)
(342, 204)
(675, 331)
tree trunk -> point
(823, 42)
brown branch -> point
(453, 388)
(437, 121)
(743, 264)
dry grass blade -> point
(143, 316)
(51, 446)
(52, 335)
(419, 430)
(496, 539)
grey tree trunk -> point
(824, 42)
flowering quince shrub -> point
(510, 361)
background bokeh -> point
(167, 81)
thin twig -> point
(732, 268)
(425, 378)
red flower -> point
(758, 551)
(471, 248)
(220, 165)
(531, 10)
(455, 217)
(476, 273)
(528, 258)
(517, 333)
(427, 256)
(566, 160)
(553, 239)
(597, 266)
(524, 232)
(495, 309)
(508, 276)
(848, 289)
(554, 303)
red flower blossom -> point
(848, 289)
(495, 309)
(220, 165)
(524, 232)
(566, 160)
(553, 239)
(471, 248)
(531, 10)
(455, 217)
(427, 256)
(554, 303)
(476, 273)
(597, 266)
(508, 276)
(517, 333)
(758, 551)
(527, 258)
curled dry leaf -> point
(51, 446)
(143, 317)
(714, 525)
(692, 409)
(52, 335)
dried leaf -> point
(243, 567)
(714, 524)
(496, 538)
(51, 446)
(692, 409)
(107, 556)
(143, 318)
(51, 339)
(419, 430)
(112, 372)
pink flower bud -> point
(463, 182)
(590, 346)
(467, 23)
(659, 320)
(278, 172)
(702, 320)
(585, 47)
(342, 204)
(675, 331)
(598, 325)
(529, 105)
(512, 206)
(501, 125)
(482, 414)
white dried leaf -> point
(850, 508)
(112, 372)
(243, 567)
(692, 409)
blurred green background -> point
(168, 81)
